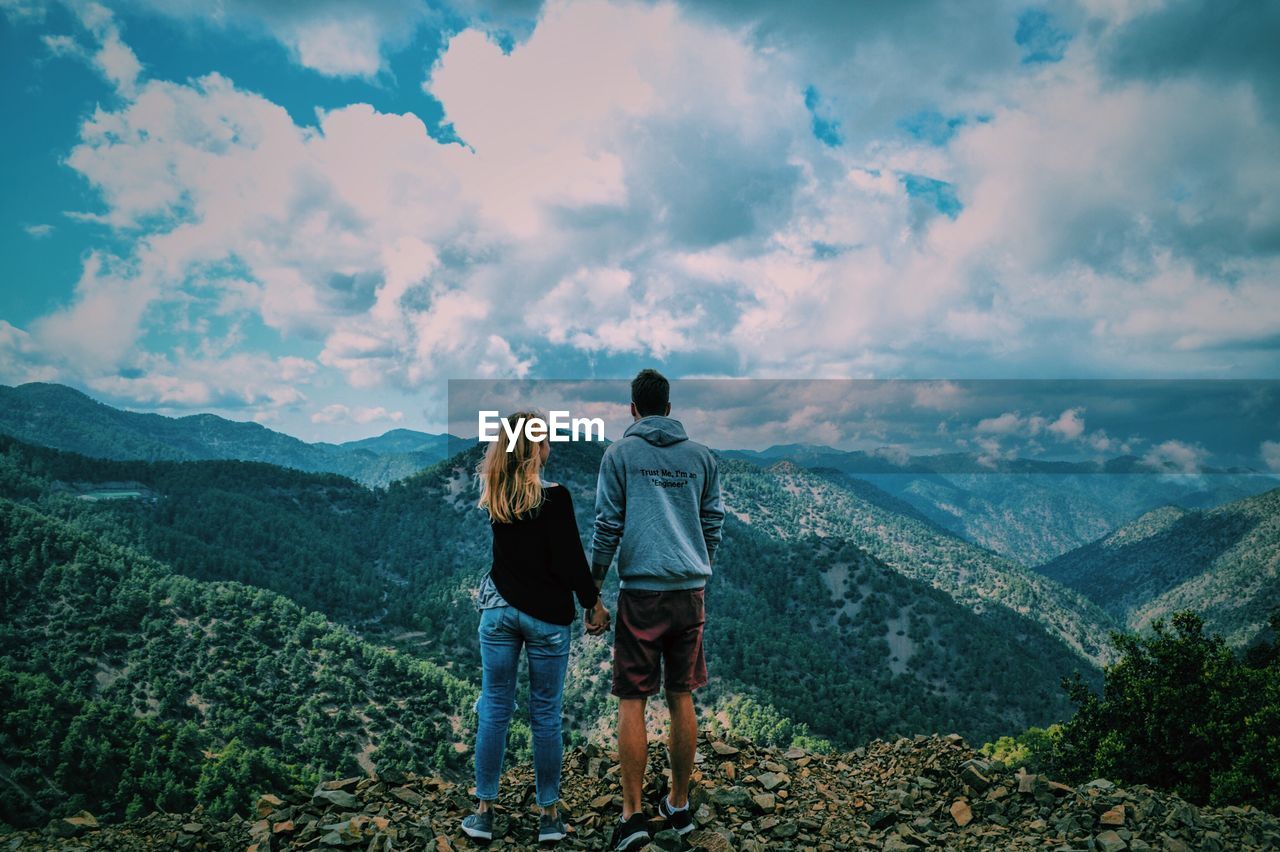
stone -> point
(268, 804)
(961, 813)
(770, 780)
(1114, 816)
(910, 794)
(338, 798)
(972, 772)
(710, 841)
(668, 839)
(73, 826)
(408, 796)
(1109, 841)
(729, 797)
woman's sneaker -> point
(550, 828)
(679, 820)
(631, 834)
(479, 826)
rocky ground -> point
(922, 793)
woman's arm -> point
(568, 560)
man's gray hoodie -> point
(658, 507)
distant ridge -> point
(1224, 563)
(64, 418)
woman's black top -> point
(538, 562)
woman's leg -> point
(499, 654)
(547, 646)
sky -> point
(314, 215)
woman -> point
(526, 600)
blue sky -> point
(314, 215)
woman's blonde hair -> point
(511, 480)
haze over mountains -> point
(198, 601)
(1028, 509)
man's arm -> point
(611, 509)
(712, 510)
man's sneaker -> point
(479, 826)
(631, 834)
(679, 820)
(550, 828)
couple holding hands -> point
(658, 508)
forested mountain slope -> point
(789, 501)
(126, 688)
(1223, 563)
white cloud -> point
(20, 358)
(110, 56)
(1175, 457)
(606, 310)
(1270, 452)
(1069, 426)
(185, 381)
(331, 37)
(339, 413)
(24, 11)
(101, 325)
(39, 231)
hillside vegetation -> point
(1223, 563)
(396, 568)
(127, 688)
(788, 502)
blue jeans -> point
(503, 630)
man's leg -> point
(633, 752)
(686, 668)
(681, 746)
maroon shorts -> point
(658, 629)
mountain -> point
(924, 792)
(398, 441)
(815, 635)
(127, 688)
(1030, 510)
(1223, 562)
(789, 502)
(61, 417)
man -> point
(658, 508)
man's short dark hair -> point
(651, 392)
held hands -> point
(597, 619)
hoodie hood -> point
(658, 430)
